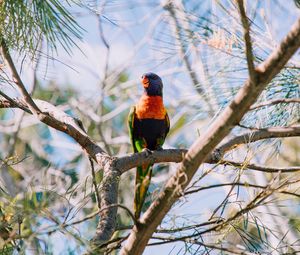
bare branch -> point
(247, 39)
(231, 184)
(109, 199)
(175, 10)
(275, 101)
(61, 121)
(17, 80)
(174, 230)
(265, 169)
(203, 146)
(273, 132)
(166, 240)
(128, 162)
(266, 192)
(12, 103)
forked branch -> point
(204, 145)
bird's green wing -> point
(137, 143)
(143, 173)
(130, 122)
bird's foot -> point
(147, 151)
(159, 148)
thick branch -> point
(50, 115)
(203, 146)
(201, 151)
(61, 121)
(108, 198)
(12, 103)
(130, 161)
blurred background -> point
(197, 48)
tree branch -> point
(203, 150)
(17, 80)
(273, 132)
(233, 250)
(266, 192)
(12, 103)
(265, 169)
(203, 146)
(247, 39)
(130, 161)
(108, 189)
(275, 101)
(175, 8)
(241, 184)
(61, 121)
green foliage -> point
(24, 23)
(7, 249)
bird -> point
(148, 124)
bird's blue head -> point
(152, 84)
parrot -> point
(148, 124)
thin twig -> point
(259, 134)
(95, 182)
(274, 102)
(167, 240)
(260, 168)
(17, 80)
(247, 39)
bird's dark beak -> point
(145, 81)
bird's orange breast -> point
(150, 107)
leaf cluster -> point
(25, 23)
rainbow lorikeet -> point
(149, 125)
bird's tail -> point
(142, 182)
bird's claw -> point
(147, 151)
